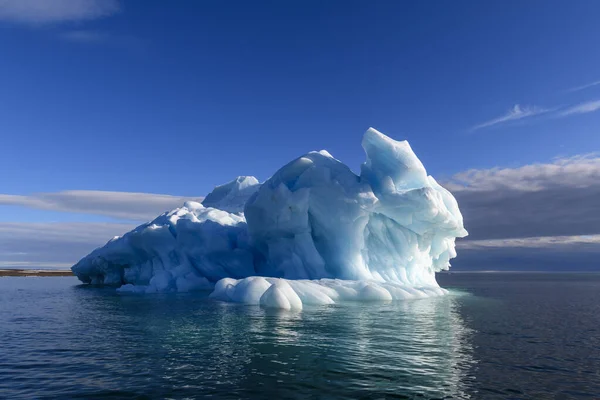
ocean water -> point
(519, 336)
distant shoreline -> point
(34, 272)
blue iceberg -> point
(313, 233)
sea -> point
(494, 336)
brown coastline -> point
(34, 272)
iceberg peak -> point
(391, 165)
(232, 196)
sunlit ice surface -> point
(328, 234)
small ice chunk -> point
(250, 290)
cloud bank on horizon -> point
(127, 206)
(545, 211)
(53, 244)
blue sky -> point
(102, 99)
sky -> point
(112, 112)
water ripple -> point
(62, 340)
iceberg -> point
(314, 233)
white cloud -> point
(514, 114)
(582, 87)
(582, 108)
(123, 205)
(55, 11)
(568, 172)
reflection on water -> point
(96, 342)
(396, 348)
(506, 338)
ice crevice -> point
(314, 233)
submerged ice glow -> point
(313, 233)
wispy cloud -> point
(514, 114)
(83, 36)
(518, 113)
(582, 87)
(583, 108)
(536, 242)
(96, 37)
(42, 13)
(35, 12)
(123, 205)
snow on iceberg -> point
(313, 233)
(232, 196)
(188, 248)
